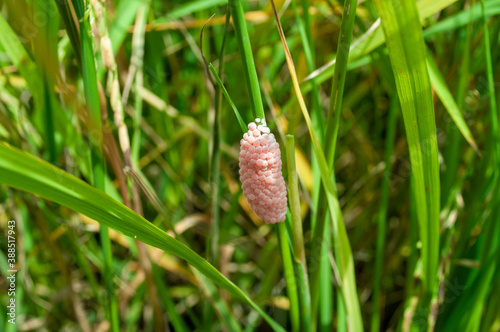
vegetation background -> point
(120, 123)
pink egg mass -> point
(260, 173)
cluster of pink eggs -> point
(260, 173)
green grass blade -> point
(403, 32)
(25, 172)
(175, 318)
(492, 7)
(448, 101)
(320, 272)
(298, 238)
(96, 139)
(137, 60)
(214, 151)
(46, 59)
(191, 7)
(66, 10)
(124, 18)
(332, 127)
(373, 38)
(472, 295)
(491, 89)
(291, 284)
(382, 215)
(228, 98)
(245, 47)
(342, 245)
(452, 152)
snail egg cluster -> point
(260, 173)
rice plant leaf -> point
(444, 94)
(372, 39)
(342, 244)
(403, 33)
(21, 59)
(298, 237)
(25, 172)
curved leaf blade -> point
(28, 173)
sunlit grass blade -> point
(298, 238)
(25, 172)
(401, 25)
(373, 38)
(342, 245)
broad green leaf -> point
(403, 33)
(28, 173)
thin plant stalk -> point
(491, 89)
(291, 284)
(228, 98)
(382, 216)
(304, 26)
(137, 60)
(215, 152)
